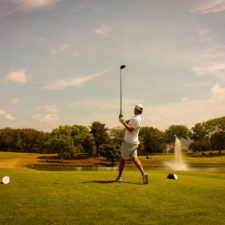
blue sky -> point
(60, 59)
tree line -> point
(98, 140)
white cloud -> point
(52, 108)
(33, 4)
(161, 116)
(14, 101)
(27, 5)
(49, 118)
(78, 82)
(210, 6)
(60, 50)
(100, 109)
(218, 93)
(102, 31)
(19, 76)
(7, 116)
(10, 117)
(187, 113)
(2, 112)
(211, 60)
(184, 99)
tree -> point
(200, 134)
(61, 144)
(215, 125)
(9, 140)
(23, 140)
(83, 140)
(30, 140)
(100, 133)
(110, 151)
(117, 135)
(217, 141)
(153, 140)
(180, 131)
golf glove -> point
(121, 120)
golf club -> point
(121, 67)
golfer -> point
(130, 144)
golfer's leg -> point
(122, 164)
(139, 165)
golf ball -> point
(6, 180)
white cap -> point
(139, 107)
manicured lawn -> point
(52, 197)
(18, 160)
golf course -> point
(36, 197)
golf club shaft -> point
(120, 92)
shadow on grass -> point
(108, 182)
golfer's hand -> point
(121, 119)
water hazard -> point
(115, 168)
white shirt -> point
(132, 137)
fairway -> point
(44, 197)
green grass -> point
(195, 159)
(44, 197)
(81, 197)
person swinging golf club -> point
(130, 143)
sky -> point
(60, 60)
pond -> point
(220, 169)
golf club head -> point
(122, 67)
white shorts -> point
(128, 150)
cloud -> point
(184, 99)
(70, 82)
(210, 6)
(14, 101)
(10, 117)
(102, 31)
(7, 116)
(2, 112)
(34, 4)
(212, 63)
(218, 93)
(19, 76)
(60, 50)
(49, 118)
(187, 112)
(52, 108)
(27, 5)
(211, 60)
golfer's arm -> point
(127, 126)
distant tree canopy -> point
(82, 139)
(99, 140)
(153, 140)
(100, 133)
(61, 144)
(23, 140)
(208, 135)
(180, 131)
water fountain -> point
(178, 163)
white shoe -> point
(118, 179)
(145, 178)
